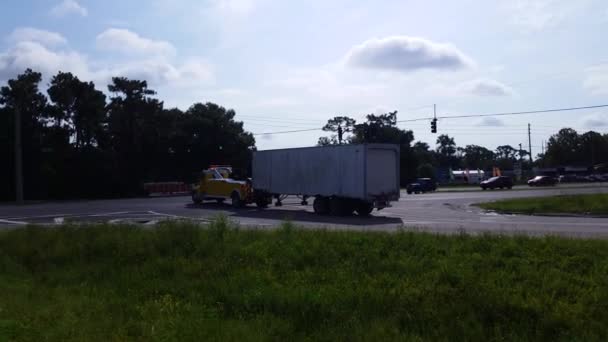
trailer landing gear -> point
(278, 203)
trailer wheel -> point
(321, 205)
(340, 207)
(364, 208)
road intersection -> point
(443, 212)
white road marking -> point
(74, 215)
(106, 214)
(68, 215)
(13, 222)
(176, 216)
(42, 216)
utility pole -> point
(530, 144)
(18, 157)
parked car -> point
(542, 181)
(421, 185)
(500, 182)
(597, 178)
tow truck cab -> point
(215, 184)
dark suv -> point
(500, 182)
(421, 185)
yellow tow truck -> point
(215, 184)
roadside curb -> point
(557, 187)
(542, 214)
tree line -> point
(78, 143)
(418, 159)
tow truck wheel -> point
(236, 200)
(196, 198)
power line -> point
(524, 113)
(294, 131)
(508, 113)
(291, 120)
(276, 126)
(461, 117)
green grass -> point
(595, 204)
(181, 282)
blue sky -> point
(286, 65)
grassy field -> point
(596, 204)
(180, 282)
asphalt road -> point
(445, 212)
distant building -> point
(564, 170)
(468, 177)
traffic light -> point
(434, 126)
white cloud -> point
(489, 122)
(196, 70)
(403, 53)
(537, 15)
(129, 42)
(486, 87)
(329, 85)
(532, 14)
(597, 80)
(43, 37)
(28, 54)
(67, 7)
(276, 102)
(235, 6)
(158, 72)
(379, 110)
(596, 120)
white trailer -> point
(341, 178)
